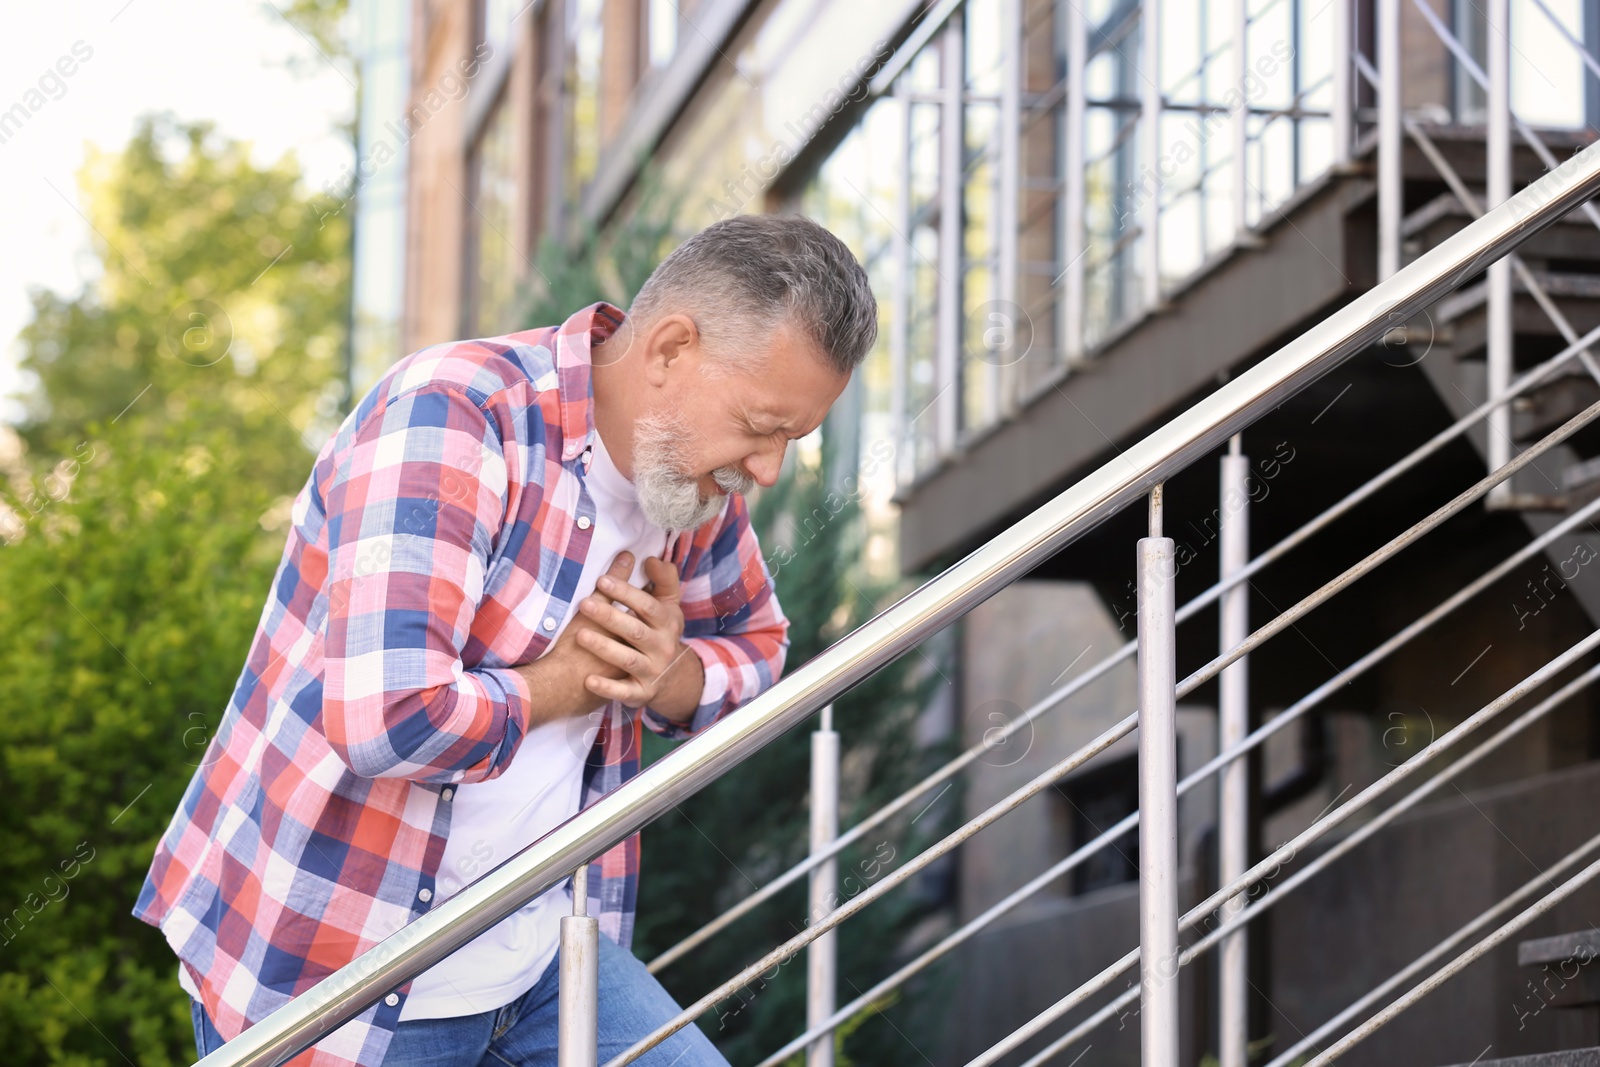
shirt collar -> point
(574, 383)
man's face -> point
(711, 435)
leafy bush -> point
(139, 529)
(125, 616)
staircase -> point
(1563, 263)
(1107, 472)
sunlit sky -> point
(225, 60)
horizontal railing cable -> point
(1128, 822)
(995, 738)
(1285, 852)
(1341, 848)
(1470, 65)
(1457, 965)
(1188, 685)
(1292, 614)
(855, 904)
(992, 739)
(1011, 554)
(1474, 207)
(1427, 958)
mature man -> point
(515, 553)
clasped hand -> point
(643, 642)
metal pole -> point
(1073, 243)
(1391, 188)
(1158, 797)
(1150, 136)
(578, 1006)
(1284, 853)
(1233, 724)
(1499, 190)
(1340, 12)
(952, 71)
(822, 955)
(1190, 781)
(904, 442)
(1004, 372)
(1241, 121)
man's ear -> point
(672, 339)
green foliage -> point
(321, 24)
(222, 282)
(138, 537)
(595, 266)
(125, 614)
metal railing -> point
(1139, 470)
(1122, 231)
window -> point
(583, 82)
(1093, 802)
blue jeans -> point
(523, 1033)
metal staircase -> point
(1435, 243)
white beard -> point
(668, 496)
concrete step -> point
(1582, 945)
(1427, 227)
(1562, 969)
(1583, 1057)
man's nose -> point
(765, 465)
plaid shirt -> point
(437, 543)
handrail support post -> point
(1158, 796)
(578, 1004)
(822, 954)
(1233, 726)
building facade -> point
(1079, 217)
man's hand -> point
(556, 678)
(645, 643)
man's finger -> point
(663, 578)
(622, 566)
(628, 691)
(628, 596)
(622, 656)
(621, 569)
(624, 624)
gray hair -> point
(746, 275)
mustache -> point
(733, 480)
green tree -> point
(223, 284)
(125, 614)
(141, 528)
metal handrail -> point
(1344, 846)
(983, 572)
(1188, 685)
(1273, 862)
(1114, 832)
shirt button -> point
(424, 894)
(447, 792)
(392, 999)
(583, 522)
(549, 622)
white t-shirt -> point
(540, 789)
